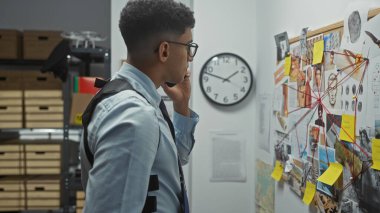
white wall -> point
(68, 15)
(275, 17)
(246, 28)
(223, 26)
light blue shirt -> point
(131, 140)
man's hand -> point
(180, 94)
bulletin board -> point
(326, 115)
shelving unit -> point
(68, 136)
(71, 182)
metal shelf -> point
(71, 182)
(21, 62)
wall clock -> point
(226, 79)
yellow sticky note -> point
(376, 154)
(331, 175)
(277, 172)
(288, 62)
(318, 51)
(347, 131)
(309, 193)
(78, 119)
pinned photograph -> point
(303, 38)
(326, 155)
(282, 44)
(332, 43)
(333, 125)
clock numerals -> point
(226, 79)
(242, 69)
(226, 59)
(209, 69)
(205, 78)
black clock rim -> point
(202, 71)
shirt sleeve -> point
(124, 150)
(184, 133)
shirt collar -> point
(140, 82)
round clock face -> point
(226, 79)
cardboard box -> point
(44, 124)
(39, 44)
(43, 94)
(10, 44)
(35, 80)
(10, 109)
(10, 80)
(10, 125)
(78, 105)
(11, 94)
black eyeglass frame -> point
(189, 46)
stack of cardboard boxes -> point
(30, 99)
(29, 170)
(28, 45)
(29, 176)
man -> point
(129, 135)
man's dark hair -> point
(142, 21)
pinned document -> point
(376, 154)
(331, 175)
(318, 52)
(347, 132)
(309, 193)
(277, 172)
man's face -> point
(179, 58)
(332, 88)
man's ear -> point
(164, 51)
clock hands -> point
(227, 79)
(216, 76)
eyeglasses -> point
(191, 47)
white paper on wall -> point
(264, 116)
(228, 157)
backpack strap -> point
(108, 89)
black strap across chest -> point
(110, 88)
